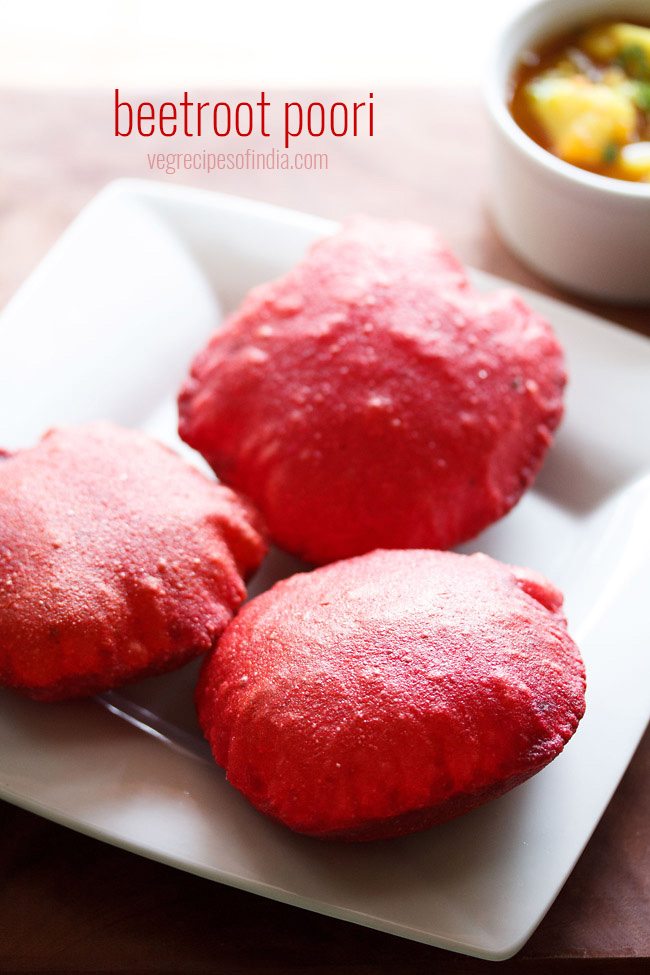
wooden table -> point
(68, 903)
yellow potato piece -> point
(582, 119)
(635, 161)
(608, 42)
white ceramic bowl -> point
(588, 233)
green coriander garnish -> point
(610, 153)
(642, 95)
(634, 60)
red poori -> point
(372, 398)
(386, 693)
(118, 560)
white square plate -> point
(106, 326)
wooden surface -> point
(69, 903)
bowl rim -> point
(498, 109)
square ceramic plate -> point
(106, 327)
